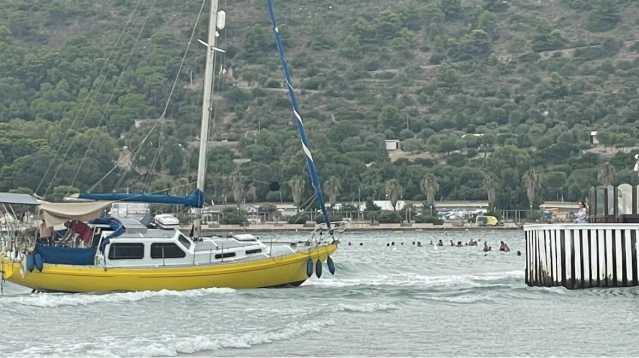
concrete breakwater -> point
(581, 255)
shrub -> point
(389, 217)
(427, 219)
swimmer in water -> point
(486, 247)
(504, 247)
(440, 243)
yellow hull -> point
(268, 272)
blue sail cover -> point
(66, 255)
(194, 200)
(297, 118)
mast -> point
(207, 108)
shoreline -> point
(275, 227)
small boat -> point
(118, 254)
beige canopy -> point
(59, 213)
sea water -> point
(383, 300)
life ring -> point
(38, 261)
(318, 268)
(331, 265)
(309, 267)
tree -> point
(490, 186)
(297, 184)
(531, 179)
(605, 16)
(429, 187)
(451, 8)
(251, 193)
(237, 189)
(332, 188)
(607, 175)
(393, 189)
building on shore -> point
(561, 211)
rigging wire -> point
(219, 80)
(155, 125)
(109, 100)
(87, 106)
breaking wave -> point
(172, 345)
(63, 299)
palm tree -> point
(237, 189)
(430, 187)
(531, 179)
(251, 193)
(296, 184)
(393, 189)
(332, 187)
(607, 175)
(489, 184)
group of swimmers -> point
(472, 242)
(503, 247)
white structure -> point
(582, 255)
(392, 145)
(593, 138)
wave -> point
(205, 343)
(64, 299)
(424, 281)
(365, 308)
(172, 345)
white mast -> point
(207, 107)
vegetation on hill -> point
(484, 91)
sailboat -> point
(123, 255)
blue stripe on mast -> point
(299, 122)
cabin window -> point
(254, 251)
(167, 250)
(126, 251)
(225, 255)
(184, 241)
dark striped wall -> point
(582, 255)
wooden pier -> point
(582, 255)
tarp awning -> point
(59, 213)
(17, 199)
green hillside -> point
(479, 93)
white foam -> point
(61, 299)
(205, 343)
(365, 308)
(171, 345)
(419, 280)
